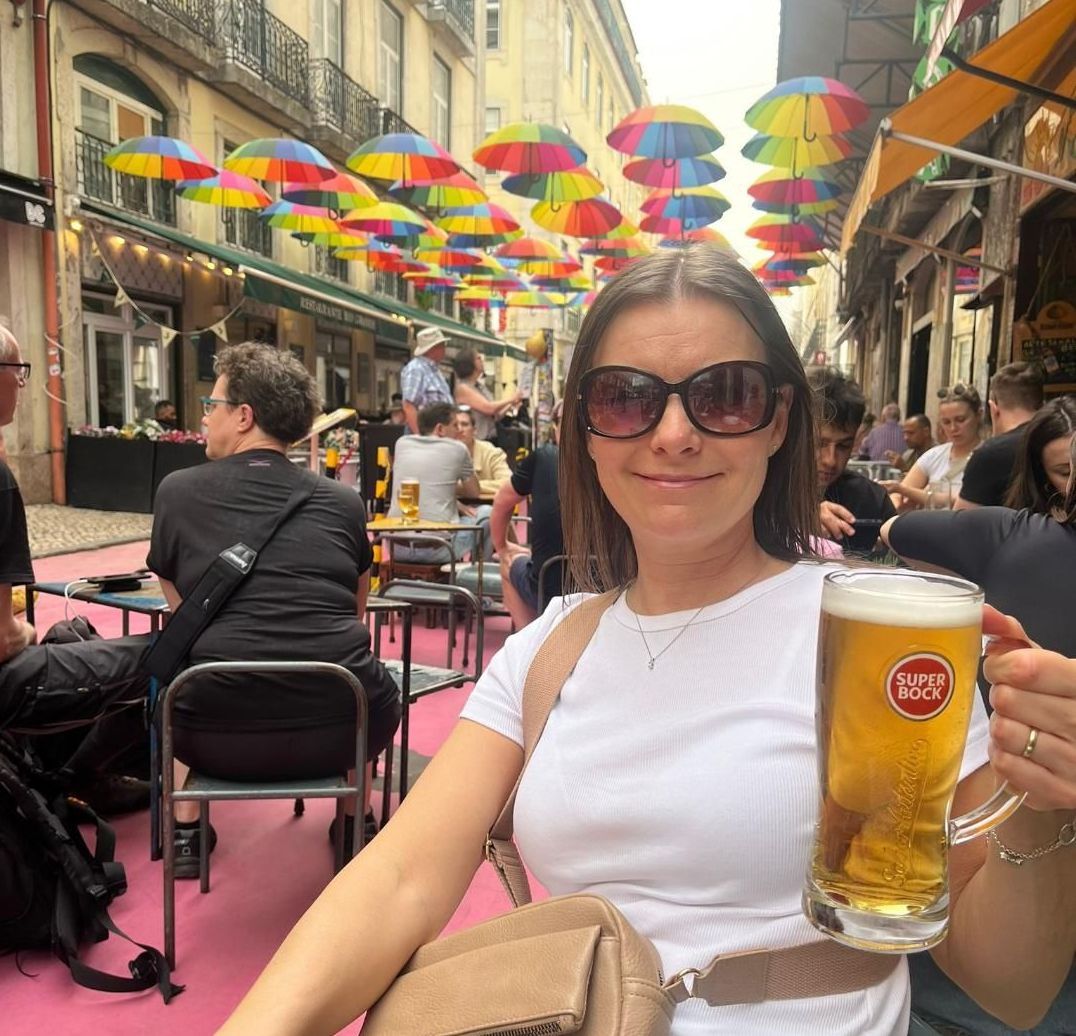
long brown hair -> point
(1030, 487)
(597, 540)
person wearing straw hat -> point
(421, 381)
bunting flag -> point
(122, 298)
(220, 330)
(167, 334)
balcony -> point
(197, 15)
(393, 122)
(264, 61)
(244, 229)
(457, 16)
(153, 198)
(344, 113)
(325, 264)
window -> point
(327, 30)
(569, 40)
(390, 58)
(441, 113)
(493, 24)
(326, 264)
(334, 368)
(244, 228)
(599, 101)
(584, 76)
(493, 120)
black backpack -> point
(53, 891)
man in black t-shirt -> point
(853, 507)
(536, 478)
(1015, 395)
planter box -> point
(110, 474)
(174, 456)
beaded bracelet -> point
(1066, 836)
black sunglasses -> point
(726, 399)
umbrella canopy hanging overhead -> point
(706, 235)
(781, 262)
(550, 267)
(228, 190)
(387, 220)
(780, 187)
(281, 160)
(811, 208)
(533, 300)
(625, 228)
(591, 218)
(431, 237)
(795, 153)
(665, 131)
(479, 298)
(452, 260)
(689, 203)
(304, 219)
(680, 172)
(528, 248)
(529, 148)
(447, 193)
(334, 239)
(808, 107)
(668, 227)
(378, 255)
(405, 157)
(555, 188)
(571, 283)
(614, 264)
(502, 281)
(798, 282)
(482, 220)
(623, 248)
(159, 158)
(339, 193)
(778, 232)
(433, 278)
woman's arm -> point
(913, 487)
(397, 894)
(468, 395)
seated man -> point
(445, 472)
(536, 477)
(847, 498)
(303, 600)
(164, 413)
(917, 440)
(490, 463)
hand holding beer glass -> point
(408, 496)
(897, 659)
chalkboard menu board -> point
(1050, 339)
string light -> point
(76, 225)
(189, 257)
(210, 264)
(228, 271)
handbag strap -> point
(820, 968)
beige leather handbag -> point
(574, 964)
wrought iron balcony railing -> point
(196, 15)
(153, 198)
(259, 41)
(327, 265)
(244, 229)
(457, 13)
(392, 122)
(390, 284)
(340, 103)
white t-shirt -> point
(438, 464)
(687, 795)
(938, 460)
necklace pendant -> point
(650, 664)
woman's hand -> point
(892, 485)
(1031, 689)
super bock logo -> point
(919, 686)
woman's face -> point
(677, 488)
(1057, 462)
(960, 423)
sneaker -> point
(369, 830)
(113, 794)
(189, 850)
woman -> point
(704, 519)
(1044, 465)
(959, 417)
(471, 392)
(1026, 564)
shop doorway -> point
(918, 364)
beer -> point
(408, 497)
(898, 655)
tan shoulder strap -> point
(552, 665)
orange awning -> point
(960, 103)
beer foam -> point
(913, 601)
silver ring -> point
(1032, 741)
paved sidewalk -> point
(65, 530)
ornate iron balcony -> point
(393, 122)
(153, 198)
(457, 13)
(259, 41)
(196, 15)
(245, 229)
(340, 103)
(327, 265)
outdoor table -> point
(148, 600)
(395, 525)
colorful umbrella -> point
(334, 239)
(409, 158)
(808, 107)
(482, 220)
(431, 237)
(339, 193)
(281, 160)
(779, 187)
(533, 300)
(432, 277)
(479, 298)
(625, 228)
(528, 248)
(689, 203)
(668, 227)
(530, 148)
(809, 208)
(159, 158)
(591, 218)
(470, 241)
(794, 153)
(780, 231)
(798, 282)
(614, 264)
(452, 260)
(550, 267)
(706, 235)
(304, 219)
(621, 248)
(777, 293)
(555, 188)
(387, 220)
(503, 281)
(680, 172)
(665, 131)
(229, 190)
(575, 282)
(447, 193)
(378, 255)
(780, 262)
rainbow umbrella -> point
(339, 193)
(587, 299)
(573, 283)
(304, 219)
(780, 262)
(528, 248)
(495, 280)
(689, 203)
(532, 300)
(665, 131)
(680, 172)
(705, 235)
(378, 255)
(405, 157)
(452, 260)
(482, 220)
(447, 193)
(387, 220)
(625, 228)
(550, 267)
(798, 282)
(795, 153)
(431, 237)
(779, 232)
(669, 227)
(591, 218)
(159, 158)
(808, 208)
(333, 239)
(281, 160)
(432, 277)
(470, 241)
(555, 188)
(530, 148)
(620, 248)
(479, 298)
(229, 190)
(779, 187)
(808, 107)
(614, 264)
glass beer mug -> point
(408, 497)
(898, 655)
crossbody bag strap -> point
(552, 665)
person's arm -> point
(500, 520)
(953, 541)
(1012, 934)
(397, 894)
(410, 416)
(171, 594)
(468, 487)
(913, 487)
(15, 634)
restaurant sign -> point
(1051, 340)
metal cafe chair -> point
(203, 790)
